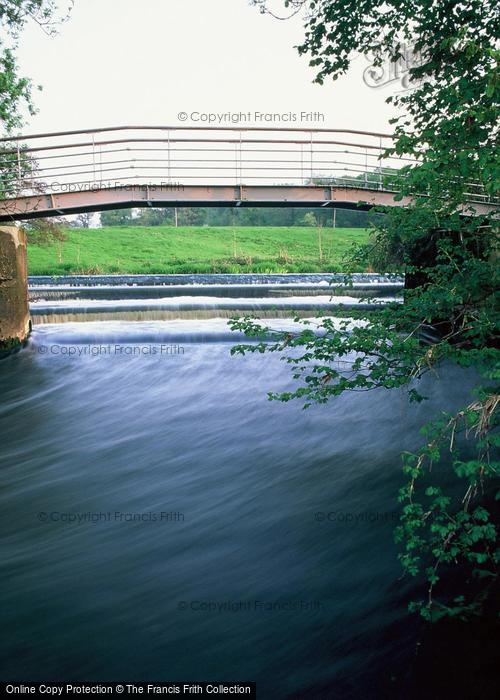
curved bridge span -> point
(135, 166)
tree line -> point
(224, 216)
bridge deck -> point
(193, 196)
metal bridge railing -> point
(112, 156)
(131, 155)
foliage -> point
(453, 318)
(16, 166)
(116, 217)
(15, 90)
(436, 530)
(9, 346)
(447, 245)
(242, 216)
(45, 232)
(382, 177)
(154, 216)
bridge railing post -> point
(168, 157)
(380, 161)
(93, 157)
(312, 157)
(241, 162)
(19, 170)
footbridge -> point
(91, 170)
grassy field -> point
(164, 249)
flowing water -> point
(163, 521)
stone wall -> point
(14, 310)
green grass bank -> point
(170, 250)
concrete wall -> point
(14, 311)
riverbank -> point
(170, 250)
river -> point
(162, 520)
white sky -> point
(122, 62)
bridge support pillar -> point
(15, 323)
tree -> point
(154, 216)
(46, 232)
(17, 168)
(309, 219)
(117, 217)
(191, 216)
(15, 90)
(83, 220)
(448, 250)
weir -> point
(259, 291)
(262, 296)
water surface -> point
(163, 521)
(241, 581)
